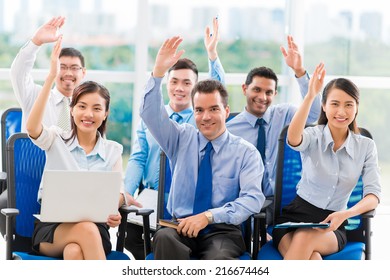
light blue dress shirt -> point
(329, 177)
(144, 162)
(276, 118)
(236, 164)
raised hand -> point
(48, 32)
(167, 56)
(211, 40)
(293, 57)
(317, 81)
(54, 59)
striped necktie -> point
(64, 116)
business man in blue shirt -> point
(212, 233)
(260, 89)
(144, 162)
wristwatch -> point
(209, 216)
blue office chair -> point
(288, 174)
(11, 121)
(25, 163)
(164, 186)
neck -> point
(178, 108)
(87, 141)
(339, 136)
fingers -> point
(207, 32)
(215, 27)
(283, 50)
(320, 71)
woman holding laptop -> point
(83, 147)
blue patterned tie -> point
(204, 185)
(261, 138)
(177, 118)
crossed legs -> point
(80, 241)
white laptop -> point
(74, 196)
(148, 199)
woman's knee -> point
(73, 251)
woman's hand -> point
(317, 80)
(114, 220)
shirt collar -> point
(217, 142)
(252, 119)
(98, 150)
(57, 95)
(182, 114)
(348, 143)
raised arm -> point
(167, 56)
(297, 125)
(48, 32)
(34, 122)
(293, 57)
(216, 71)
(211, 40)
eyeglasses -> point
(73, 68)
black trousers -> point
(222, 242)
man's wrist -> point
(209, 217)
(300, 72)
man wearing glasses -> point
(72, 72)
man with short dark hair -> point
(216, 176)
(260, 88)
(144, 162)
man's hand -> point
(191, 226)
(293, 57)
(48, 32)
(167, 56)
(211, 40)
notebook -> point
(148, 198)
(302, 225)
(74, 196)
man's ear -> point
(244, 88)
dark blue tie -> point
(204, 185)
(177, 118)
(261, 138)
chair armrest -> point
(368, 214)
(3, 181)
(10, 214)
(145, 213)
(259, 232)
(121, 233)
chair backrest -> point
(25, 163)
(11, 122)
(289, 173)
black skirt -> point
(44, 232)
(299, 210)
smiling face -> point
(210, 114)
(89, 112)
(179, 86)
(340, 109)
(259, 95)
(70, 75)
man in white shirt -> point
(72, 72)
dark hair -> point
(349, 88)
(185, 63)
(87, 88)
(72, 53)
(264, 72)
(209, 86)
